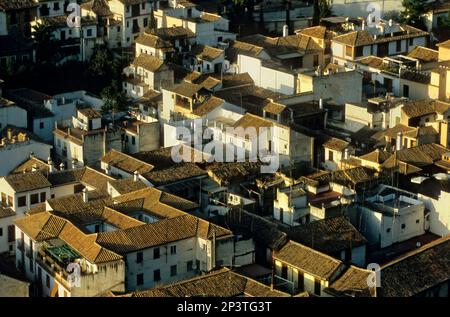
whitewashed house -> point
(391, 216)
(291, 206)
(11, 114)
(16, 145)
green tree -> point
(322, 9)
(412, 15)
(114, 99)
(47, 48)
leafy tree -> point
(322, 9)
(47, 47)
(412, 15)
(114, 99)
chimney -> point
(136, 176)
(9, 134)
(31, 155)
(34, 168)
(108, 170)
(85, 195)
(320, 103)
(61, 166)
(74, 164)
(399, 144)
(51, 166)
(346, 154)
(285, 30)
(363, 26)
(391, 23)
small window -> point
(34, 199)
(1, 232)
(133, 140)
(156, 253)
(418, 221)
(403, 226)
(406, 91)
(317, 287)
(411, 41)
(388, 230)
(41, 125)
(143, 6)
(128, 9)
(348, 51)
(48, 280)
(22, 201)
(173, 249)
(145, 22)
(173, 270)
(157, 275)
(316, 61)
(189, 266)
(89, 32)
(139, 257)
(140, 279)
(43, 197)
(56, 6)
(399, 45)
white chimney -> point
(74, 164)
(34, 168)
(61, 167)
(321, 103)
(108, 170)
(136, 176)
(85, 195)
(363, 26)
(391, 23)
(285, 30)
(399, 144)
(51, 167)
(31, 155)
(346, 154)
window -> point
(173, 249)
(139, 257)
(133, 140)
(284, 271)
(22, 201)
(403, 226)
(316, 61)
(406, 91)
(301, 281)
(56, 6)
(140, 279)
(189, 266)
(97, 228)
(418, 221)
(145, 22)
(411, 41)
(143, 6)
(1, 232)
(128, 9)
(41, 125)
(89, 32)
(43, 197)
(156, 275)
(317, 287)
(173, 270)
(156, 253)
(48, 280)
(348, 51)
(330, 155)
(388, 230)
(34, 199)
(399, 45)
